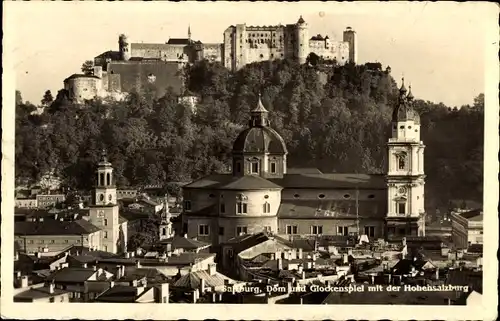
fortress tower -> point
(302, 43)
(405, 177)
(351, 38)
(124, 47)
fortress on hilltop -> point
(136, 65)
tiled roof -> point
(183, 259)
(249, 182)
(303, 170)
(332, 181)
(55, 227)
(152, 275)
(38, 293)
(210, 181)
(330, 208)
(121, 293)
(110, 54)
(157, 46)
(404, 266)
(475, 215)
(243, 242)
(474, 279)
(193, 280)
(178, 41)
(72, 275)
(180, 242)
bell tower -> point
(405, 174)
(166, 226)
(104, 212)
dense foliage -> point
(334, 118)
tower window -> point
(273, 167)
(101, 179)
(241, 208)
(164, 231)
(267, 208)
(105, 222)
(105, 234)
(254, 167)
(401, 208)
(401, 162)
(223, 208)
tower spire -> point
(189, 33)
(259, 115)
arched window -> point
(267, 208)
(401, 162)
(101, 179)
(108, 179)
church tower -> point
(104, 212)
(166, 228)
(405, 175)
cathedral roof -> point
(259, 140)
(249, 182)
(304, 180)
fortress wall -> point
(135, 75)
(213, 51)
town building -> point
(467, 228)
(49, 200)
(262, 194)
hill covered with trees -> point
(334, 118)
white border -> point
(247, 311)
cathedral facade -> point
(262, 194)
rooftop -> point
(55, 227)
(38, 293)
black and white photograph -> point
(265, 160)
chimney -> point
(118, 273)
(127, 255)
(24, 281)
(202, 286)
(300, 254)
(18, 274)
(84, 265)
(372, 279)
(349, 252)
(111, 284)
(16, 256)
(279, 262)
(314, 256)
(300, 269)
(51, 287)
(403, 240)
(212, 269)
(94, 267)
(137, 264)
(195, 295)
(38, 255)
(437, 274)
(273, 256)
(185, 235)
(164, 293)
(277, 254)
(345, 259)
(303, 275)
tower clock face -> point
(402, 190)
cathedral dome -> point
(259, 137)
(259, 140)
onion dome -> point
(259, 137)
(404, 109)
(103, 161)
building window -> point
(187, 205)
(203, 230)
(371, 196)
(321, 195)
(66, 241)
(370, 231)
(254, 167)
(241, 208)
(241, 230)
(105, 222)
(223, 208)
(316, 229)
(30, 241)
(347, 196)
(105, 248)
(52, 241)
(267, 208)
(164, 231)
(221, 230)
(401, 162)
(401, 208)
(292, 229)
(296, 196)
(105, 234)
(342, 230)
(273, 167)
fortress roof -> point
(80, 76)
(179, 41)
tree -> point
(88, 67)
(47, 99)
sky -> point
(438, 47)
